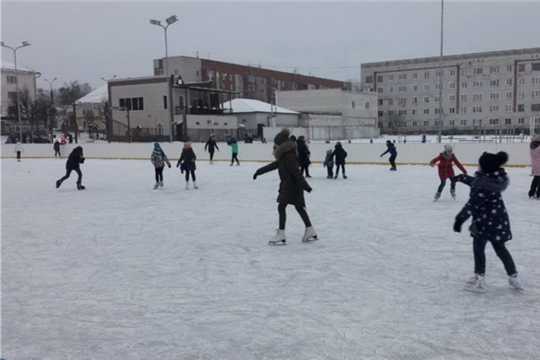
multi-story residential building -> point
(493, 91)
(251, 82)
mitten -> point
(457, 225)
(255, 176)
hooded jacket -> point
(75, 158)
(446, 170)
(486, 206)
(340, 154)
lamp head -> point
(25, 43)
(171, 20)
(155, 22)
(2, 43)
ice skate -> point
(195, 186)
(58, 183)
(453, 193)
(335, 177)
(156, 186)
(161, 184)
(279, 239)
(393, 169)
(437, 196)
(80, 187)
(344, 176)
(475, 284)
(515, 281)
(309, 234)
(187, 185)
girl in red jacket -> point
(446, 171)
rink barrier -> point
(358, 153)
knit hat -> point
(187, 144)
(282, 136)
(448, 148)
(156, 145)
(492, 162)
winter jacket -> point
(340, 154)
(292, 184)
(75, 158)
(446, 170)
(303, 153)
(486, 206)
(391, 149)
(211, 145)
(56, 146)
(188, 157)
(234, 147)
(18, 147)
(535, 157)
(158, 158)
(329, 160)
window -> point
(452, 85)
(452, 123)
(381, 101)
(426, 75)
(415, 101)
(494, 96)
(402, 76)
(508, 108)
(137, 103)
(380, 90)
(463, 72)
(415, 76)
(402, 88)
(477, 97)
(477, 109)
(463, 84)
(463, 98)
(11, 79)
(381, 113)
(535, 67)
(521, 81)
(494, 108)
(452, 110)
(521, 108)
(439, 73)
(414, 123)
(452, 98)
(508, 95)
(438, 86)
(369, 79)
(164, 102)
(426, 99)
(426, 123)
(413, 111)
(391, 102)
(493, 69)
(390, 89)
(380, 78)
(437, 110)
(508, 121)
(366, 105)
(535, 93)
(494, 83)
(508, 67)
(402, 112)
(426, 87)
(390, 112)
(521, 121)
(463, 110)
(414, 87)
(390, 77)
(402, 101)
(493, 121)
(536, 80)
(478, 71)
(521, 95)
(463, 122)
(509, 82)
(426, 111)
(535, 107)
(477, 84)
(452, 72)
(12, 95)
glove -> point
(309, 190)
(457, 226)
(169, 165)
(255, 176)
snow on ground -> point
(121, 271)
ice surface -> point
(121, 271)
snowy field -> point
(121, 271)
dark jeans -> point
(304, 168)
(342, 169)
(18, 155)
(68, 172)
(192, 172)
(57, 152)
(330, 170)
(159, 174)
(453, 181)
(535, 187)
(393, 161)
(211, 155)
(479, 246)
(235, 157)
(283, 215)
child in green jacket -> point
(234, 147)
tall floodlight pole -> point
(50, 84)
(24, 43)
(441, 74)
(170, 20)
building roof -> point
(99, 95)
(9, 66)
(250, 106)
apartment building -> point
(489, 91)
(251, 82)
(27, 81)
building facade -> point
(26, 79)
(249, 82)
(496, 91)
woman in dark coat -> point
(72, 164)
(340, 155)
(303, 155)
(211, 144)
(188, 157)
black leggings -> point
(211, 155)
(159, 174)
(393, 161)
(479, 246)
(283, 215)
(192, 175)
(57, 152)
(535, 187)
(304, 168)
(235, 157)
(453, 181)
(68, 172)
(342, 169)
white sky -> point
(85, 41)
(121, 271)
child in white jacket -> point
(18, 149)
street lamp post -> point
(50, 84)
(441, 75)
(24, 43)
(170, 20)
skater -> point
(340, 155)
(159, 159)
(446, 171)
(72, 164)
(534, 191)
(303, 155)
(291, 187)
(234, 148)
(490, 222)
(18, 149)
(329, 163)
(393, 154)
(211, 144)
(56, 148)
(188, 157)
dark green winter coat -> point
(293, 184)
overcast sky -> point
(84, 41)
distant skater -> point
(291, 187)
(534, 191)
(303, 155)
(340, 154)
(18, 149)
(234, 151)
(446, 171)
(56, 148)
(490, 221)
(211, 144)
(159, 159)
(73, 164)
(329, 164)
(188, 158)
(391, 148)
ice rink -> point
(121, 271)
